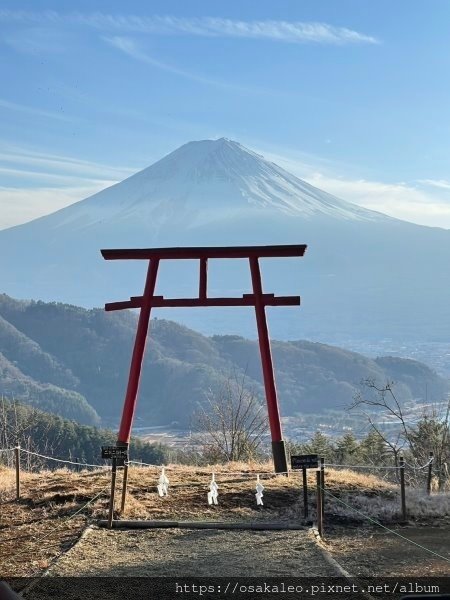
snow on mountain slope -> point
(203, 181)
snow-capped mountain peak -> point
(203, 181)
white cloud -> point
(43, 183)
(20, 205)
(278, 31)
(400, 200)
(405, 201)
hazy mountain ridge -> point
(14, 384)
(93, 349)
(40, 365)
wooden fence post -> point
(430, 473)
(124, 488)
(17, 464)
(319, 504)
(402, 487)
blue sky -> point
(352, 96)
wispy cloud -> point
(297, 32)
(436, 183)
(135, 51)
(22, 158)
(132, 48)
(279, 31)
(31, 110)
(22, 174)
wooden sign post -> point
(119, 456)
(303, 462)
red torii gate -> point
(258, 299)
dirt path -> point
(369, 551)
(187, 552)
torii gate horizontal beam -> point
(211, 252)
(246, 300)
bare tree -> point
(232, 422)
(429, 434)
(384, 399)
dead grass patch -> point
(42, 525)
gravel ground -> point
(188, 552)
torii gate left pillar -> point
(258, 299)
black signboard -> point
(117, 452)
(305, 461)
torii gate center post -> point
(258, 299)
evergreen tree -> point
(51, 435)
(347, 450)
(319, 444)
(373, 450)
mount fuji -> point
(364, 275)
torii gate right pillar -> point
(278, 445)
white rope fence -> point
(241, 473)
(53, 458)
(61, 460)
(162, 483)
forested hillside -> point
(51, 435)
(74, 362)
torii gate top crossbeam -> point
(211, 252)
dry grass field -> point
(56, 506)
